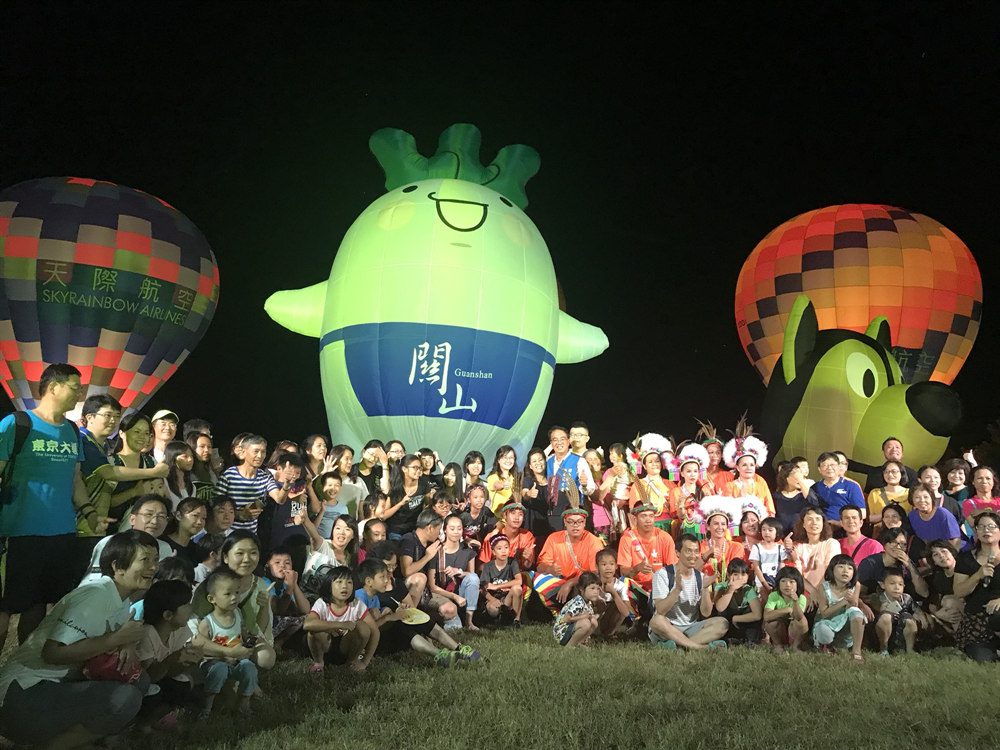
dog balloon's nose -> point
(935, 406)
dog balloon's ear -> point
(800, 337)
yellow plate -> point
(415, 617)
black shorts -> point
(40, 570)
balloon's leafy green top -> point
(457, 157)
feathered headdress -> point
(706, 433)
(753, 505)
(652, 442)
(693, 452)
(744, 443)
(713, 505)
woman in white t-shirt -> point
(340, 549)
(45, 696)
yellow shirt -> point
(881, 497)
(498, 498)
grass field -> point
(530, 693)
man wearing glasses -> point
(579, 436)
(568, 475)
(101, 415)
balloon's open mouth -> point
(462, 216)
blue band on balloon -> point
(450, 372)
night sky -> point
(670, 144)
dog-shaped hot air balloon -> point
(840, 390)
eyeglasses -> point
(579, 434)
(415, 467)
(109, 416)
(154, 516)
(895, 544)
(988, 527)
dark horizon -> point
(670, 147)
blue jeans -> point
(217, 672)
(468, 589)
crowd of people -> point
(152, 575)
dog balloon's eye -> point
(862, 375)
(868, 383)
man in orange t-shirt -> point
(644, 549)
(565, 555)
(522, 541)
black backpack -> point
(22, 428)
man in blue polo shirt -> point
(835, 491)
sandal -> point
(858, 658)
(317, 668)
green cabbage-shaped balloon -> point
(439, 323)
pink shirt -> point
(975, 504)
(865, 547)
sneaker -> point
(884, 652)
(468, 653)
(516, 624)
(446, 658)
(717, 644)
(667, 645)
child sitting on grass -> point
(395, 635)
(740, 605)
(785, 611)
(289, 605)
(895, 620)
(167, 650)
(839, 619)
(576, 621)
(339, 627)
(767, 555)
(229, 642)
(501, 582)
(613, 607)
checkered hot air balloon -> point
(109, 279)
(856, 262)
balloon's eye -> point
(506, 202)
(409, 188)
(862, 375)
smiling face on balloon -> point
(462, 237)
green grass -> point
(531, 693)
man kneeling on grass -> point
(682, 600)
